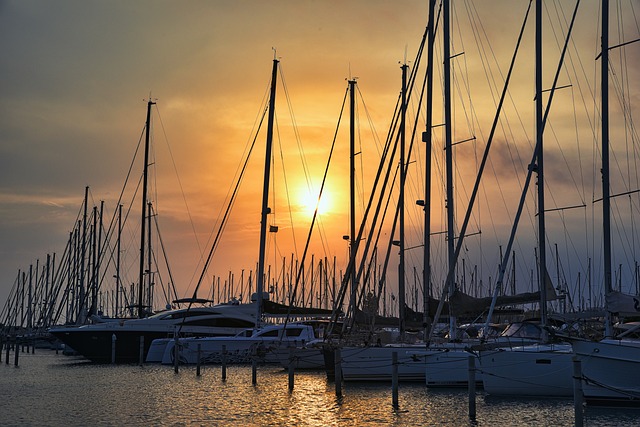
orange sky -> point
(75, 76)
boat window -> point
(185, 314)
(219, 322)
(293, 332)
(270, 333)
(522, 330)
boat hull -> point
(238, 349)
(610, 371)
(303, 358)
(537, 370)
(375, 363)
(99, 345)
(449, 368)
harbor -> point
(50, 390)
(443, 239)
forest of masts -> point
(86, 281)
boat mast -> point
(81, 297)
(99, 249)
(403, 176)
(265, 193)
(148, 271)
(352, 193)
(427, 138)
(117, 309)
(606, 198)
(449, 159)
(542, 275)
(144, 210)
(93, 283)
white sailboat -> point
(610, 367)
(543, 369)
(242, 348)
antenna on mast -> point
(350, 77)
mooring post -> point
(291, 367)
(16, 353)
(578, 397)
(472, 387)
(7, 350)
(141, 349)
(338, 373)
(394, 378)
(176, 353)
(113, 348)
(254, 367)
(198, 360)
(224, 362)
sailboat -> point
(373, 360)
(545, 368)
(449, 359)
(211, 347)
(128, 340)
(610, 367)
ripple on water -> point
(53, 390)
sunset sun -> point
(308, 200)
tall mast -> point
(81, 298)
(426, 280)
(148, 271)
(265, 192)
(117, 309)
(449, 158)
(606, 198)
(99, 247)
(143, 210)
(542, 247)
(30, 298)
(94, 263)
(403, 176)
(352, 194)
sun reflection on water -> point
(50, 390)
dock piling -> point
(113, 348)
(394, 378)
(224, 362)
(472, 387)
(291, 368)
(577, 392)
(198, 360)
(338, 372)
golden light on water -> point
(184, 398)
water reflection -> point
(50, 390)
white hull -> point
(375, 363)
(448, 366)
(535, 370)
(156, 350)
(238, 349)
(96, 341)
(306, 358)
(610, 371)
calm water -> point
(56, 390)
